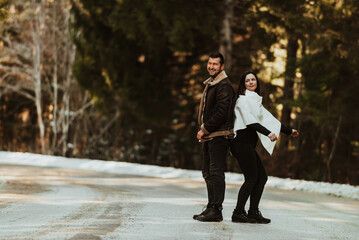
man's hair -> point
(217, 55)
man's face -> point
(214, 66)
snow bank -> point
(340, 190)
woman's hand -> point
(272, 137)
(295, 133)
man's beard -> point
(215, 75)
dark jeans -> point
(254, 174)
(213, 168)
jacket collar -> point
(222, 75)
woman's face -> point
(251, 82)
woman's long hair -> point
(241, 87)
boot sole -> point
(239, 221)
(210, 220)
(259, 222)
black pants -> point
(213, 168)
(254, 174)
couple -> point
(219, 124)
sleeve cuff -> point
(204, 129)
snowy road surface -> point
(59, 203)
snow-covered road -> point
(60, 203)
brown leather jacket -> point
(216, 115)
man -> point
(215, 119)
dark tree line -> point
(142, 63)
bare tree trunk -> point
(38, 100)
(330, 159)
(55, 81)
(70, 55)
(226, 34)
(290, 70)
(66, 112)
(36, 36)
(66, 116)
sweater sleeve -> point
(286, 130)
(259, 128)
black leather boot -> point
(242, 217)
(202, 213)
(257, 215)
(211, 214)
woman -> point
(252, 118)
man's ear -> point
(222, 67)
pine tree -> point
(143, 56)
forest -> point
(121, 80)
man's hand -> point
(200, 134)
(295, 133)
